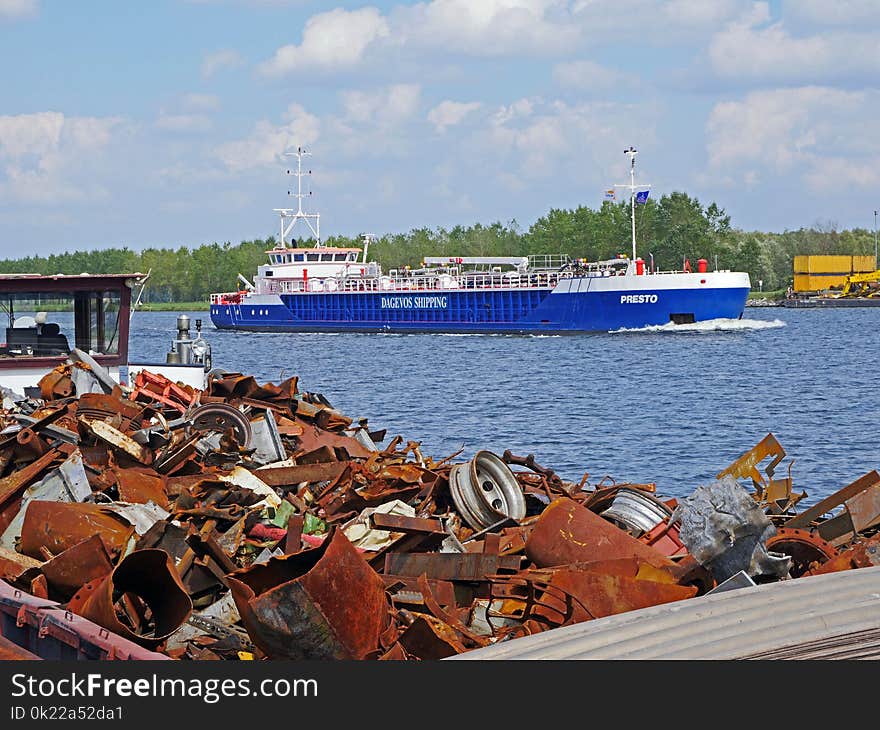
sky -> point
(166, 123)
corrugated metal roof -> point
(813, 616)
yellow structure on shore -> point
(817, 273)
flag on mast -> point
(642, 197)
(610, 194)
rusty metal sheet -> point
(121, 441)
(99, 406)
(56, 383)
(566, 533)
(140, 488)
(405, 589)
(596, 595)
(396, 653)
(450, 566)
(430, 638)
(13, 564)
(867, 481)
(864, 508)
(283, 476)
(11, 485)
(401, 523)
(59, 526)
(861, 555)
(145, 579)
(313, 438)
(84, 562)
(323, 603)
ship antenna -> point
(632, 152)
(298, 214)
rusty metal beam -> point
(400, 523)
(290, 476)
(867, 481)
(450, 566)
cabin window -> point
(326, 257)
(341, 257)
(352, 257)
(50, 324)
(287, 258)
(312, 257)
(299, 257)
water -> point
(672, 405)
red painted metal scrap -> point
(325, 603)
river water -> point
(671, 405)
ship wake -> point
(709, 325)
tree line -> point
(669, 230)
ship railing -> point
(228, 297)
(348, 285)
(548, 261)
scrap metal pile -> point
(253, 521)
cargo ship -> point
(336, 289)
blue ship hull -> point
(519, 311)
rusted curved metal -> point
(325, 603)
(145, 579)
(806, 549)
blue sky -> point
(165, 123)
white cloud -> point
(390, 105)
(449, 113)
(12, 9)
(751, 50)
(590, 76)
(42, 154)
(670, 21)
(268, 142)
(331, 40)
(833, 174)
(839, 12)
(534, 139)
(226, 58)
(813, 132)
(488, 27)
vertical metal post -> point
(875, 240)
(632, 199)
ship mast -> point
(288, 214)
(632, 152)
